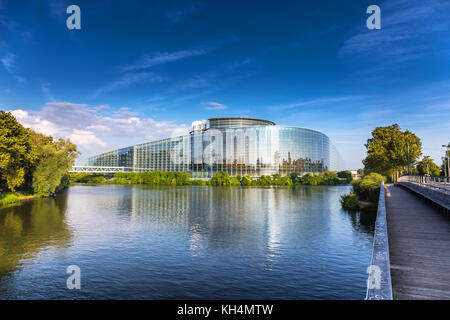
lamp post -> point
(447, 154)
(445, 167)
(409, 172)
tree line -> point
(31, 161)
(168, 178)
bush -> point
(198, 182)
(8, 198)
(368, 188)
(246, 181)
(347, 175)
(350, 202)
(312, 180)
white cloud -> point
(213, 105)
(93, 131)
(86, 139)
(34, 122)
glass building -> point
(239, 146)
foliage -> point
(16, 152)
(350, 202)
(56, 158)
(389, 149)
(368, 188)
(198, 182)
(312, 180)
(427, 166)
(157, 178)
(346, 175)
(8, 198)
(86, 178)
(30, 160)
(221, 179)
(246, 181)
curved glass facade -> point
(252, 151)
(224, 123)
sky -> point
(138, 71)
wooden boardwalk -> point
(419, 246)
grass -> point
(8, 198)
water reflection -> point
(186, 242)
(28, 229)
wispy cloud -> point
(127, 80)
(159, 58)
(213, 105)
(174, 11)
(315, 102)
(58, 8)
(9, 63)
(151, 60)
(407, 29)
(45, 87)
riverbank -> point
(8, 198)
(167, 178)
(365, 193)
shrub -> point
(198, 182)
(350, 202)
(246, 181)
(368, 188)
(312, 180)
(347, 175)
(8, 198)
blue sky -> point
(143, 70)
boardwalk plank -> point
(419, 247)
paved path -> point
(419, 247)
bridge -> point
(412, 240)
(99, 169)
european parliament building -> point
(239, 146)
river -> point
(141, 242)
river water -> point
(140, 242)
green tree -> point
(246, 181)
(56, 159)
(389, 149)
(347, 175)
(17, 155)
(312, 179)
(427, 166)
(221, 179)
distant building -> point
(239, 146)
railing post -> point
(380, 288)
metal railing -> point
(379, 286)
(440, 184)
